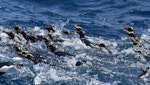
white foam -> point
(4, 37)
(37, 80)
(1, 55)
(5, 68)
(38, 31)
(70, 62)
(94, 81)
(145, 37)
(128, 51)
(148, 30)
(17, 58)
(48, 75)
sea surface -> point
(102, 20)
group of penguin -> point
(133, 37)
(4, 66)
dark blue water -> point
(102, 20)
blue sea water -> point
(102, 21)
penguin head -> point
(129, 28)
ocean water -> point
(102, 20)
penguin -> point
(25, 35)
(67, 32)
(79, 63)
(80, 31)
(82, 36)
(51, 36)
(35, 58)
(33, 38)
(130, 31)
(53, 49)
(49, 45)
(78, 28)
(87, 42)
(17, 29)
(50, 28)
(135, 42)
(18, 47)
(10, 34)
(103, 45)
(146, 72)
(26, 55)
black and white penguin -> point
(50, 28)
(82, 36)
(35, 58)
(130, 32)
(79, 63)
(10, 34)
(17, 29)
(146, 72)
(103, 45)
(67, 32)
(80, 31)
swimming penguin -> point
(67, 32)
(87, 42)
(25, 35)
(26, 55)
(49, 45)
(50, 28)
(78, 28)
(51, 36)
(80, 31)
(18, 47)
(146, 72)
(35, 58)
(79, 63)
(137, 50)
(17, 28)
(5, 66)
(10, 34)
(53, 49)
(135, 42)
(82, 36)
(130, 31)
(104, 46)
(33, 38)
